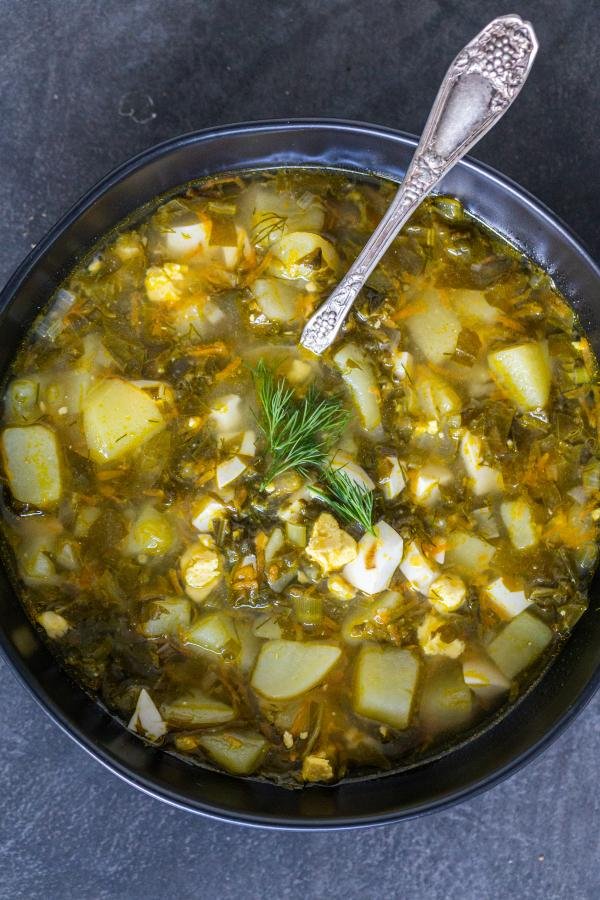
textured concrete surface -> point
(83, 85)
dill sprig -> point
(268, 226)
(352, 501)
(298, 432)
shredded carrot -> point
(412, 309)
(173, 578)
(230, 369)
(218, 348)
(511, 323)
(134, 310)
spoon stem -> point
(478, 88)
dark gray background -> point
(83, 85)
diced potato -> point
(35, 562)
(150, 533)
(146, 718)
(65, 553)
(425, 483)
(95, 355)
(206, 511)
(447, 593)
(247, 444)
(344, 462)
(473, 308)
(330, 546)
(193, 316)
(392, 480)
(379, 556)
(486, 522)
(277, 300)
(119, 417)
(435, 330)
(55, 625)
(403, 364)
(32, 464)
(520, 524)
(227, 413)
(358, 374)
(167, 617)
(274, 213)
(21, 403)
(64, 395)
(301, 253)
(470, 554)
(506, 603)
(385, 679)
(483, 676)
(239, 752)
(249, 647)
(417, 569)
(285, 669)
(519, 644)
(432, 638)
(437, 399)
(184, 240)
(523, 373)
(229, 470)
(196, 709)
(267, 627)
(484, 479)
(214, 633)
(296, 534)
(274, 544)
(446, 701)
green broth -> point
(294, 600)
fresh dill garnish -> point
(267, 228)
(350, 500)
(298, 432)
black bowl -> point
(478, 762)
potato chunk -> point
(434, 330)
(285, 669)
(196, 709)
(214, 633)
(32, 464)
(468, 553)
(519, 644)
(446, 702)
(384, 684)
(119, 417)
(239, 752)
(523, 373)
(277, 299)
(520, 524)
(357, 372)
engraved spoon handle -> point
(477, 89)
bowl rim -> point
(19, 667)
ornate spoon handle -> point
(477, 89)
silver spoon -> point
(477, 89)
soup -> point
(287, 566)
